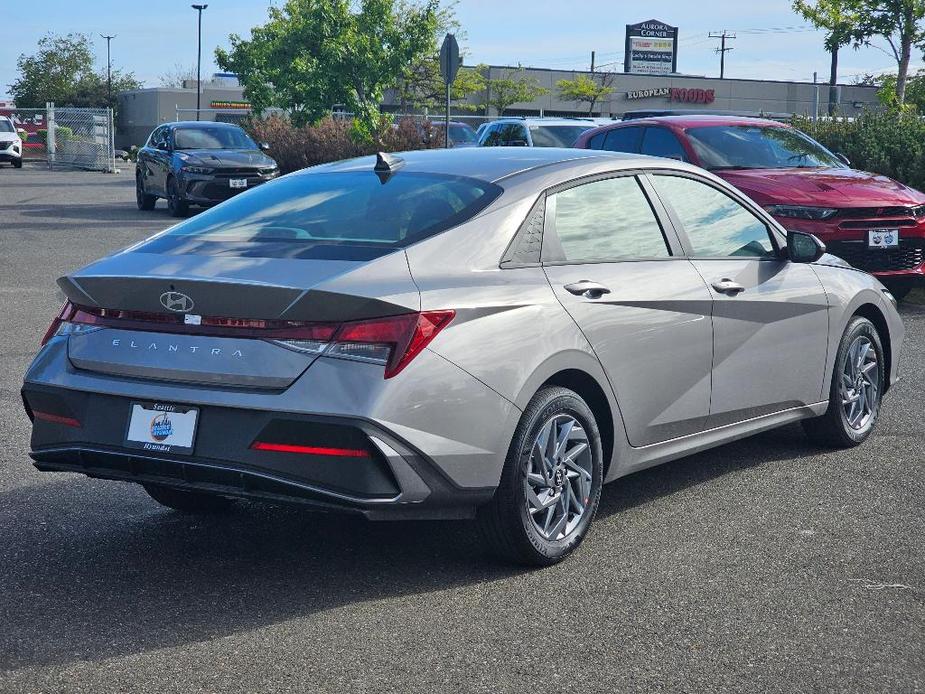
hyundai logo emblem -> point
(176, 301)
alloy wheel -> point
(860, 383)
(558, 477)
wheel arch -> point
(873, 313)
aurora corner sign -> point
(651, 48)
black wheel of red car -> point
(142, 199)
(175, 204)
(186, 500)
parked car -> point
(456, 334)
(10, 143)
(461, 135)
(198, 163)
(533, 132)
(873, 222)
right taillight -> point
(65, 314)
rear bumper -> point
(436, 437)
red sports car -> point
(873, 222)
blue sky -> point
(772, 43)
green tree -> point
(422, 86)
(62, 71)
(586, 90)
(915, 91)
(315, 54)
(514, 88)
(839, 19)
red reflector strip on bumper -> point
(309, 450)
(55, 418)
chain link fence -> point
(78, 138)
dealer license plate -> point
(158, 426)
(237, 182)
(883, 238)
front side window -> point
(661, 142)
(156, 140)
(212, 138)
(610, 219)
(716, 225)
(337, 215)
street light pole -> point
(199, 9)
(108, 69)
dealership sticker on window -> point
(883, 238)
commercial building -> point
(142, 110)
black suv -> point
(198, 163)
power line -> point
(722, 50)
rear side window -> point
(623, 140)
(610, 219)
(596, 142)
(716, 225)
(345, 215)
(556, 135)
(661, 142)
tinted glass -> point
(623, 140)
(307, 215)
(556, 135)
(461, 133)
(758, 147)
(717, 225)
(6, 127)
(608, 220)
(659, 142)
(513, 134)
(212, 138)
(596, 142)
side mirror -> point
(803, 247)
(843, 159)
(265, 146)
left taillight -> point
(64, 315)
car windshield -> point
(462, 133)
(325, 215)
(212, 138)
(6, 127)
(556, 135)
(758, 147)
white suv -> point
(10, 143)
(534, 132)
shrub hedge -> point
(295, 148)
(889, 143)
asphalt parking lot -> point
(762, 566)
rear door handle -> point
(587, 289)
(727, 286)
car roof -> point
(201, 124)
(705, 120)
(544, 120)
(487, 163)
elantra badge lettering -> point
(177, 302)
(194, 349)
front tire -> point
(17, 163)
(550, 487)
(856, 390)
(175, 204)
(187, 501)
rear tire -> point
(176, 205)
(856, 390)
(144, 201)
(187, 501)
(524, 523)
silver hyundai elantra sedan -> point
(474, 333)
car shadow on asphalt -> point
(92, 569)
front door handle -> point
(587, 289)
(727, 286)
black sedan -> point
(198, 163)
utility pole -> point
(108, 69)
(592, 61)
(722, 50)
(199, 8)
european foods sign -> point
(651, 48)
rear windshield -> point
(212, 138)
(344, 215)
(462, 133)
(556, 135)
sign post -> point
(651, 48)
(449, 66)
